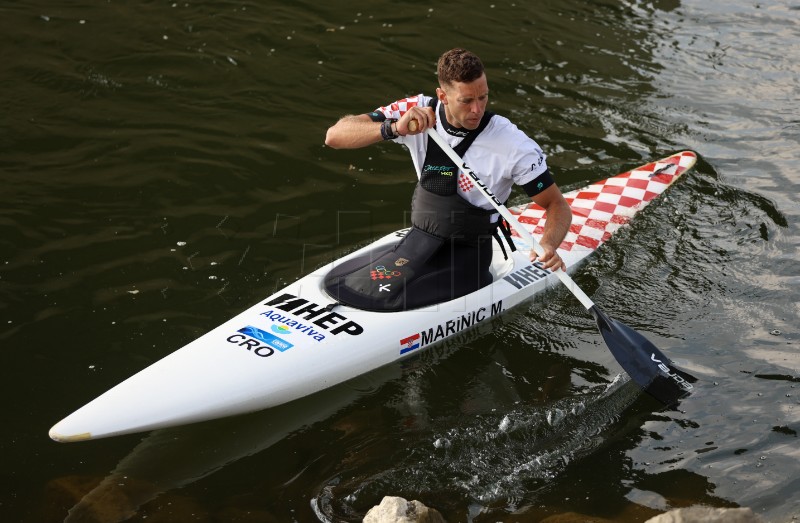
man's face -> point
(465, 103)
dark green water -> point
(163, 168)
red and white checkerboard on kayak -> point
(603, 207)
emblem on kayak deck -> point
(265, 337)
(381, 273)
(384, 287)
(281, 329)
(316, 316)
(400, 262)
(409, 344)
(450, 327)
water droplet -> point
(442, 443)
(505, 424)
(555, 416)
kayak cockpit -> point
(388, 279)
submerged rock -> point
(398, 510)
(707, 515)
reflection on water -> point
(162, 169)
(197, 451)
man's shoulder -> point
(505, 140)
(501, 124)
(504, 130)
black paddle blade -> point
(644, 363)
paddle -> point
(642, 360)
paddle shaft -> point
(505, 213)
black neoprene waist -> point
(449, 216)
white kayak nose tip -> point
(57, 435)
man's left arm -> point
(559, 218)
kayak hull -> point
(299, 341)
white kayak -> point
(299, 340)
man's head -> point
(462, 88)
(458, 65)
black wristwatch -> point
(386, 129)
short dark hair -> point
(459, 65)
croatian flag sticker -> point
(409, 344)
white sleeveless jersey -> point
(501, 155)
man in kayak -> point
(448, 251)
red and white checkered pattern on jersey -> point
(603, 207)
(465, 183)
(400, 107)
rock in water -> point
(397, 510)
(707, 515)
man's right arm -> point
(353, 131)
